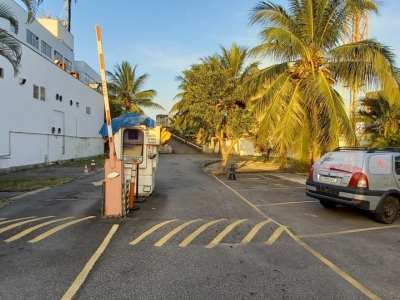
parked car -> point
(365, 178)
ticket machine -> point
(138, 146)
(131, 173)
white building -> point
(49, 109)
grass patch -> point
(30, 184)
(99, 161)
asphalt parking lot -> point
(199, 236)
(346, 237)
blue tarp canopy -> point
(127, 120)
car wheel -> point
(387, 211)
(327, 204)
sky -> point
(165, 37)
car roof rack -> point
(352, 148)
(384, 149)
(369, 150)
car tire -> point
(388, 210)
(327, 204)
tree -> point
(296, 97)
(10, 48)
(125, 90)
(213, 99)
(32, 7)
(383, 120)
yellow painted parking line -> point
(89, 265)
(22, 223)
(14, 220)
(247, 239)
(349, 231)
(275, 235)
(195, 233)
(223, 233)
(165, 238)
(29, 230)
(56, 229)
(28, 193)
(335, 268)
(285, 203)
(150, 231)
(331, 265)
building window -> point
(68, 64)
(46, 49)
(32, 39)
(1, 73)
(87, 78)
(35, 92)
(42, 93)
(58, 56)
(88, 110)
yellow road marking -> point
(331, 265)
(10, 221)
(22, 223)
(195, 233)
(56, 229)
(335, 268)
(284, 203)
(247, 201)
(276, 188)
(150, 231)
(275, 235)
(29, 193)
(349, 231)
(247, 239)
(89, 265)
(25, 232)
(223, 233)
(165, 239)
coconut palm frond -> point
(10, 48)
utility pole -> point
(69, 16)
(67, 10)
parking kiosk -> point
(136, 138)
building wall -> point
(243, 147)
(86, 73)
(74, 110)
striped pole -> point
(105, 94)
(132, 184)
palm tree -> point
(213, 101)
(125, 89)
(10, 48)
(384, 117)
(296, 97)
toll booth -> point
(136, 138)
(140, 144)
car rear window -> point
(344, 161)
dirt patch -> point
(244, 164)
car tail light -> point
(359, 180)
(310, 173)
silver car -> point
(365, 178)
